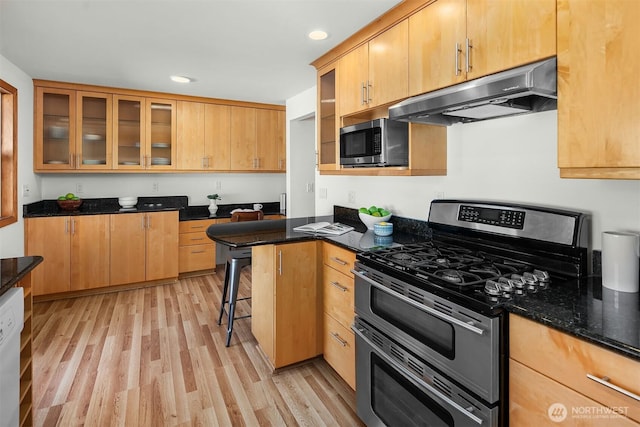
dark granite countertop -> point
(587, 310)
(252, 233)
(106, 206)
(14, 269)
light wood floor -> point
(156, 357)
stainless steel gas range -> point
(430, 327)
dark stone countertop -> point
(14, 269)
(106, 206)
(587, 310)
(252, 233)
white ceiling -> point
(250, 50)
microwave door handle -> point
(414, 377)
(422, 307)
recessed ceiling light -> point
(181, 79)
(317, 35)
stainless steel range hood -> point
(527, 89)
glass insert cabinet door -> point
(93, 136)
(129, 132)
(327, 129)
(161, 134)
(55, 129)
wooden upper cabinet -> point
(203, 136)
(376, 72)
(73, 130)
(455, 40)
(598, 89)
(190, 137)
(328, 145)
(243, 138)
(436, 37)
(257, 136)
(217, 137)
(160, 150)
(93, 130)
(128, 132)
(83, 128)
(269, 139)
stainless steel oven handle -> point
(416, 378)
(419, 306)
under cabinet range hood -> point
(526, 89)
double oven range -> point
(430, 326)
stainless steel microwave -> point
(380, 142)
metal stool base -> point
(236, 261)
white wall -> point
(12, 236)
(301, 154)
(511, 159)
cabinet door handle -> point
(143, 222)
(468, 55)
(339, 286)
(280, 262)
(73, 227)
(369, 86)
(457, 56)
(336, 337)
(362, 91)
(66, 226)
(339, 261)
(606, 381)
(149, 221)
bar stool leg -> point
(234, 283)
(225, 289)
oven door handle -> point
(415, 378)
(422, 307)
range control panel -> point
(499, 217)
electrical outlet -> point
(156, 187)
(218, 185)
(439, 195)
(26, 191)
(79, 189)
(352, 196)
(322, 194)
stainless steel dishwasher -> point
(11, 322)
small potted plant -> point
(213, 203)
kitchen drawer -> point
(197, 238)
(340, 350)
(339, 258)
(197, 257)
(337, 291)
(531, 395)
(196, 225)
(568, 360)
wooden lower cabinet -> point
(144, 247)
(197, 252)
(285, 310)
(338, 307)
(75, 249)
(548, 372)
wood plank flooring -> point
(156, 357)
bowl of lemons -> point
(69, 202)
(373, 215)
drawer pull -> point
(337, 338)
(198, 252)
(605, 382)
(339, 286)
(193, 227)
(201, 238)
(339, 261)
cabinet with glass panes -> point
(72, 130)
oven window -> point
(425, 328)
(397, 402)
